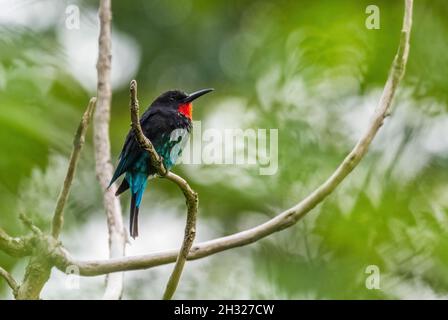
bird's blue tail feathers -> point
(137, 182)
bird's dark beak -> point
(197, 94)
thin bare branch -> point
(117, 239)
(10, 280)
(27, 222)
(15, 247)
(78, 142)
(286, 218)
(143, 142)
(191, 197)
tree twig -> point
(29, 224)
(78, 142)
(286, 218)
(15, 247)
(142, 140)
(191, 197)
(117, 239)
(10, 280)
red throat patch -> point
(186, 109)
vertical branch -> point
(78, 142)
(39, 265)
(12, 283)
(144, 142)
(37, 274)
(191, 197)
(117, 240)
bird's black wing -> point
(127, 156)
(154, 126)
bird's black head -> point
(171, 97)
(179, 100)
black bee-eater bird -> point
(167, 124)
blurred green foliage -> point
(310, 69)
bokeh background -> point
(310, 69)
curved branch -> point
(78, 142)
(10, 280)
(286, 218)
(144, 143)
(117, 239)
(191, 197)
